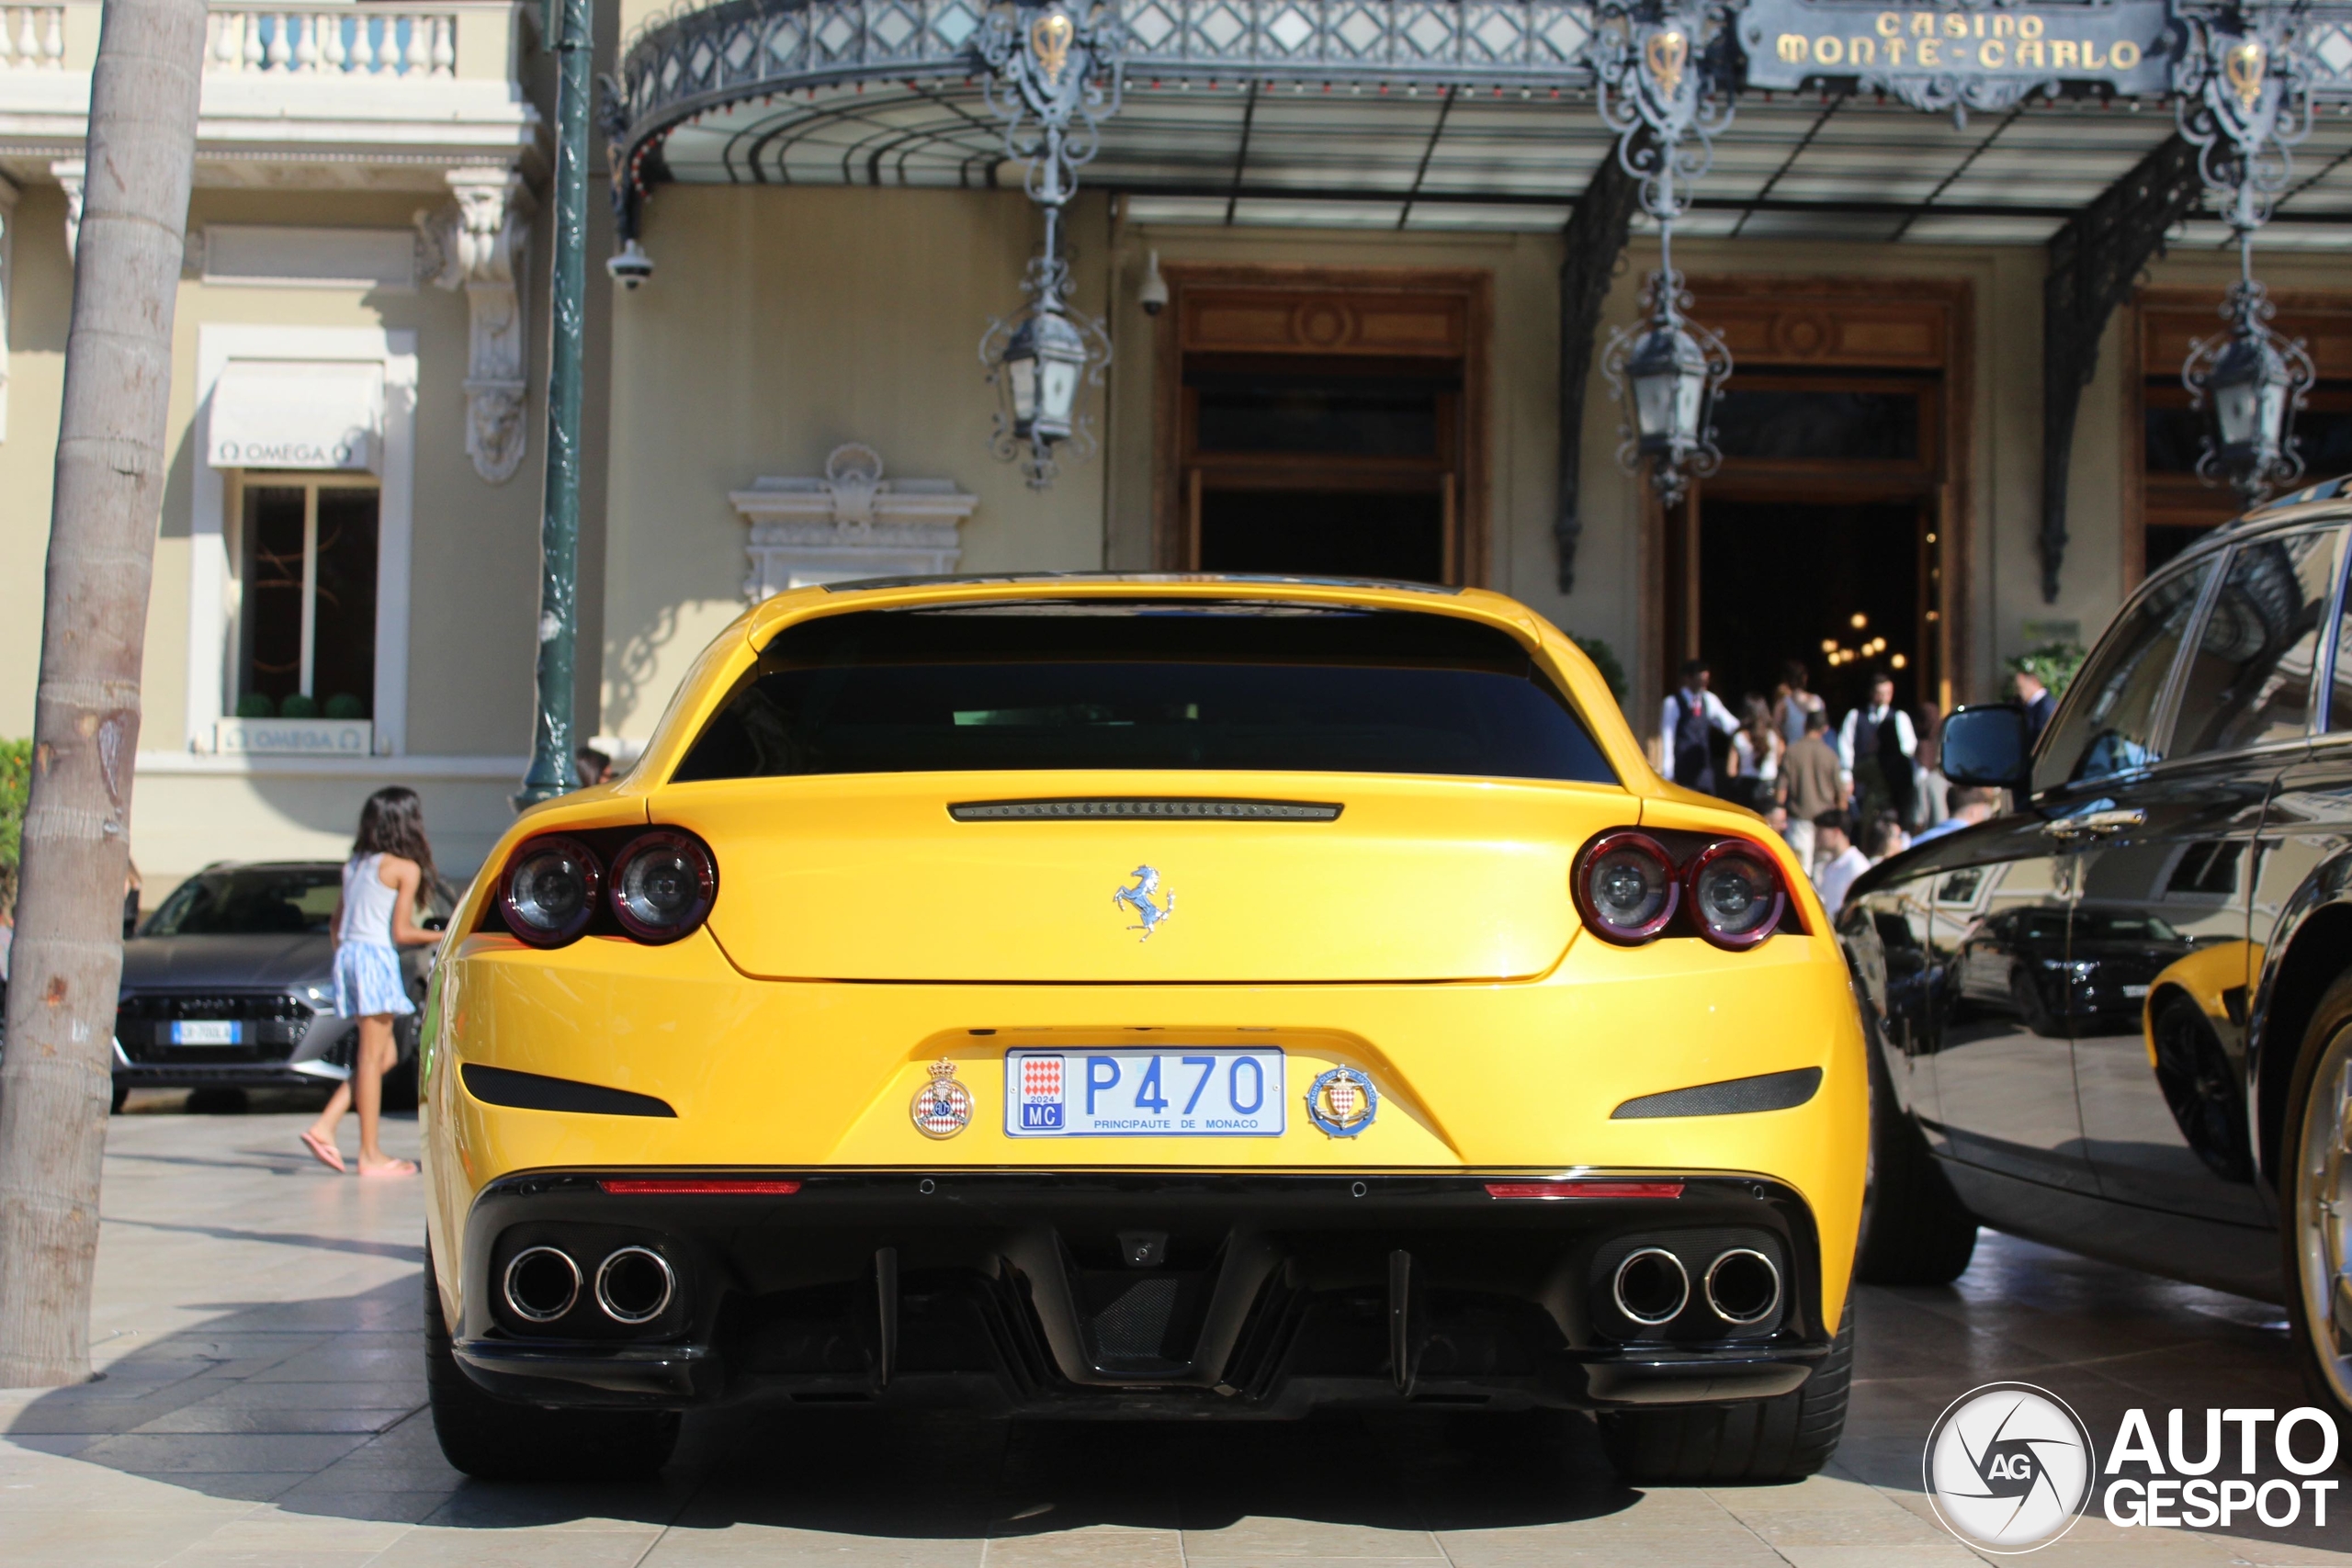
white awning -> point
(286, 414)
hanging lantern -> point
(2248, 383)
(2245, 405)
(1053, 75)
(1671, 395)
(1037, 362)
(2242, 97)
(1665, 374)
(1043, 361)
(1659, 93)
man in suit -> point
(2038, 702)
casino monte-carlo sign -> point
(1935, 57)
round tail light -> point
(1625, 886)
(662, 886)
(549, 891)
(1737, 892)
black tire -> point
(1916, 1231)
(2331, 1021)
(121, 1094)
(496, 1440)
(1765, 1440)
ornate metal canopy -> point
(1467, 113)
(1482, 113)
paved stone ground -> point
(261, 1405)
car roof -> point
(334, 865)
(1140, 579)
(2328, 501)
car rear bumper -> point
(1137, 1294)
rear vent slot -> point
(1144, 809)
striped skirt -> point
(367, 981)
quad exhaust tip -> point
(541, 1283)
(1651, 1286)
(634, 1285)
(1743, 1286)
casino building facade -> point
(1325, 287)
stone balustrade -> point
(32, 37)
(341, 40)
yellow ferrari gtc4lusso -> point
(1133, 996)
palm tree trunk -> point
(67, 959)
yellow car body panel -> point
(1428, 938)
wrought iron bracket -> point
(1596, 240)
(2094, 262)
(1053, 75)
(1667, 73)
(2243, 95)
(1666, 70)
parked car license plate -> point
(1205, 1093)
(207, 1032)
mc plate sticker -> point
(1202, 1093)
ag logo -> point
(2009, 1467)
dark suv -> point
(231, 982)
(2119, 1018)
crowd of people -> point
(1846, 794)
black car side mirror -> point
(1989, 746)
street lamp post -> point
(550, 771)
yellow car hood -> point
(870, 877)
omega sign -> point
(1986, 56)
(348, 453)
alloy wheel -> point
(2323, 1216)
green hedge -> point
(15, 778)
(1604, 658)
(2053, 664)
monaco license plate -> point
(1206, 1093)
(207, 1032)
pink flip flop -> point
(398, 1167)
(326, 1153)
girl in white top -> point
(383, 882)
(1758, 747)
(1792, 703)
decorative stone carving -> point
(478, 244)
(851, 523)
(69, 173)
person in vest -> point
(383, 883)
(1686, 727)
(1875, 749)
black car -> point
(2119, 1018)
(230, 982)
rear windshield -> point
(257, 901)
(1096, 683)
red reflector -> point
(702, 1186)
(1584, 1189)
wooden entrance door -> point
(1323, 424)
